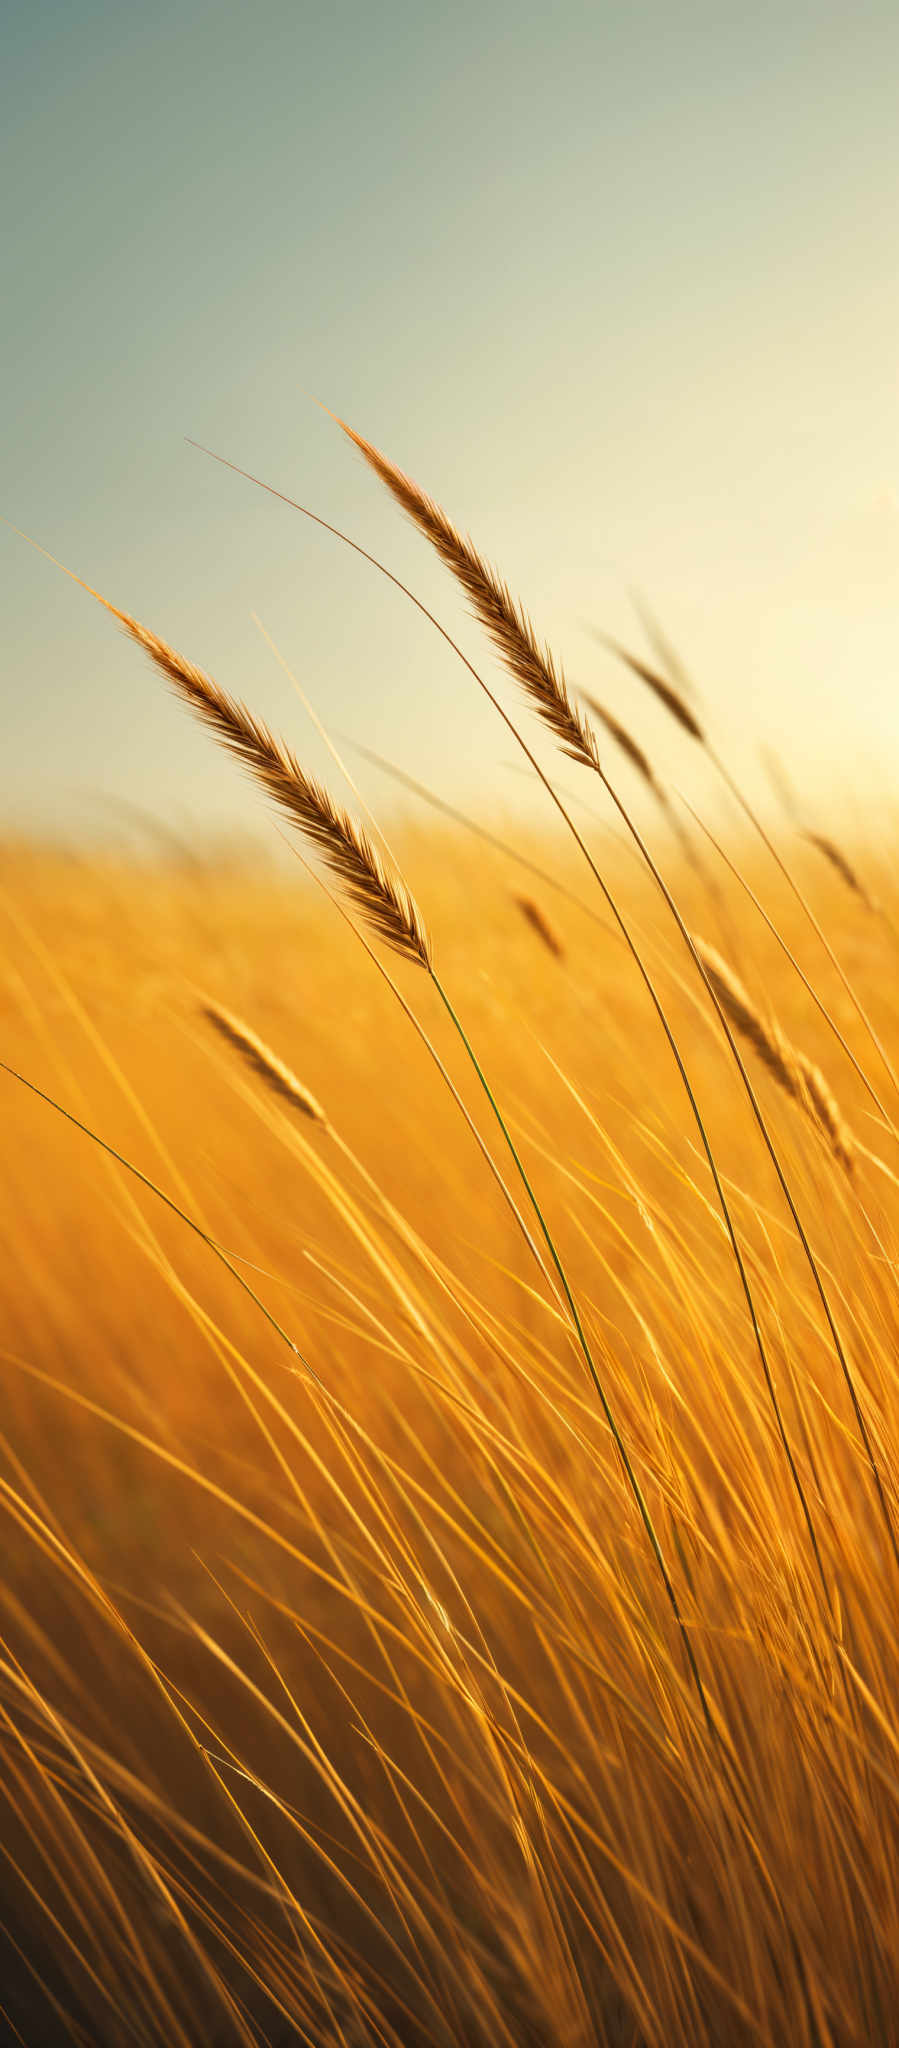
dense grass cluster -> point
(449, 1422)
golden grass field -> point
(451, 1531)
(356, 1710)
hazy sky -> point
(618, 283)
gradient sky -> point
(618, 283)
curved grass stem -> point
(580, 1333)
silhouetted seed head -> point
(663, 649)
(625, 740)
(263, 1062)
(794, 1073)
(382, 898)
(661, 688)
(492, 603)
(843, 867)
(540, 923)
(825, 1107)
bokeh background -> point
(617, 283)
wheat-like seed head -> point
(661, 688)
(382, 897)
(665, 652)
(825, 1107)
(493, 605)
(539, 923)
(843, 866)
(793, 1071)
(263, 1062)
(625, 740)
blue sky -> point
(617, 283)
